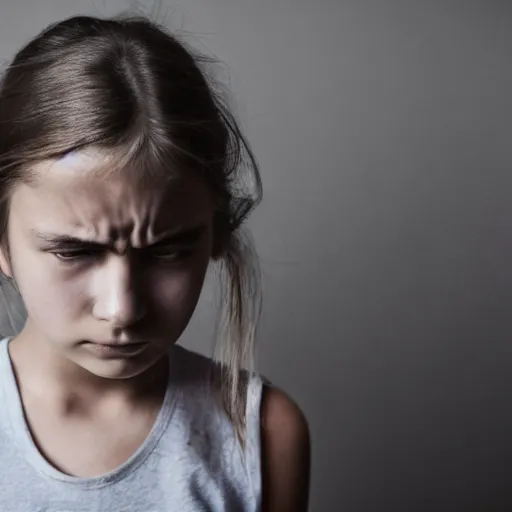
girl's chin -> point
(116, 366)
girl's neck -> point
(41, 371)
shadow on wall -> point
(12, 309)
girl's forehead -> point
(92, 164)
(71, 191)
(83, 162)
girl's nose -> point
(117, 299)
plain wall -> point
(383, 130)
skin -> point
(133, 273)
(286, 454)
(124, 289)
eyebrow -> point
(187, 236)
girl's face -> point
(108, 261)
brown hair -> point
(127, 84)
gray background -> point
(383, 130)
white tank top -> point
(191, 461)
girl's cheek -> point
(46, 289)
(176, 286)
(179, 288)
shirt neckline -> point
(25, 442)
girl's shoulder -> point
(199, 379)
(285, 453)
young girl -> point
(120, 179)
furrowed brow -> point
(184, 237)
(56, 239)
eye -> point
(171, 254)
(75, 255)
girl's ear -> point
(5, 265)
